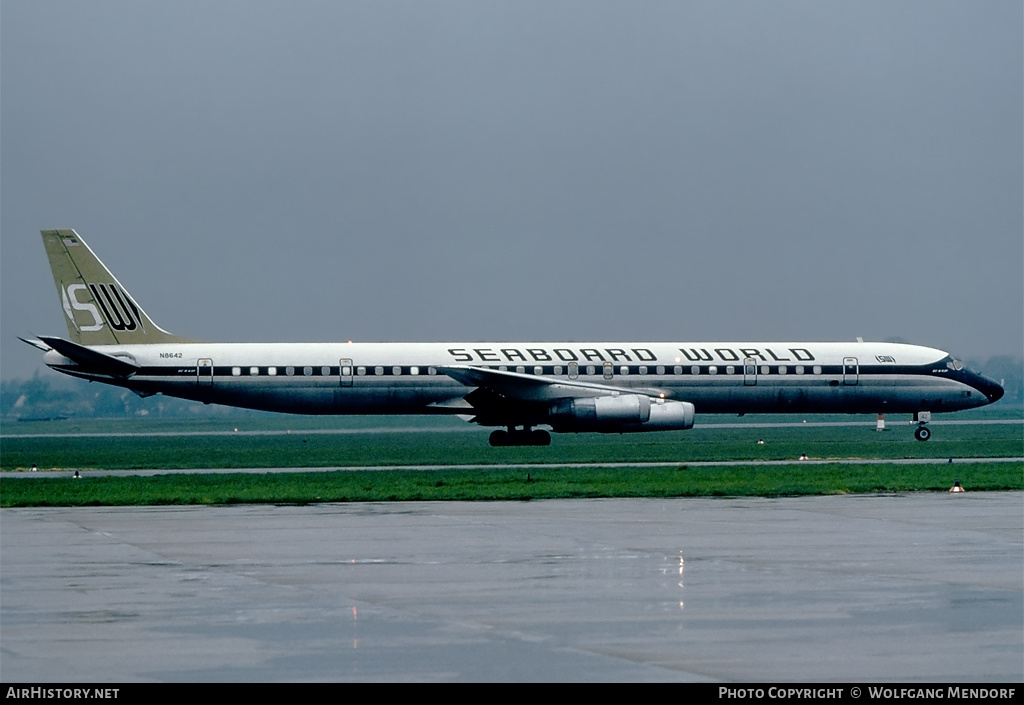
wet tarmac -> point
(922, 587)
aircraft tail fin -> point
(99, 310)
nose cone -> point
(995, 393)
(992, 390)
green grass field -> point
(440, 443)
(484, 485)
(284, 442)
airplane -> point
(570, 387)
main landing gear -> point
(922, 432)
(525, 437)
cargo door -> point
(851, 371)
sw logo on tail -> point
(119, 311)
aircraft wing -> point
(536, 388)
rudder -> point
(99, 310)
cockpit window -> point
(955, 364)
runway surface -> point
(919, 587)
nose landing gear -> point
(922, 432)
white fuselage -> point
(410, 378)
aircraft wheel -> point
(500, 438)
(922, 433)
(540, 437)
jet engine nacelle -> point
(621, 414)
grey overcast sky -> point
(549, 170)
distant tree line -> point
(46, 396)
(52, 396)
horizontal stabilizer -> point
(38, 344)
(91, 360)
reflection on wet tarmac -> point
(921, 587)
